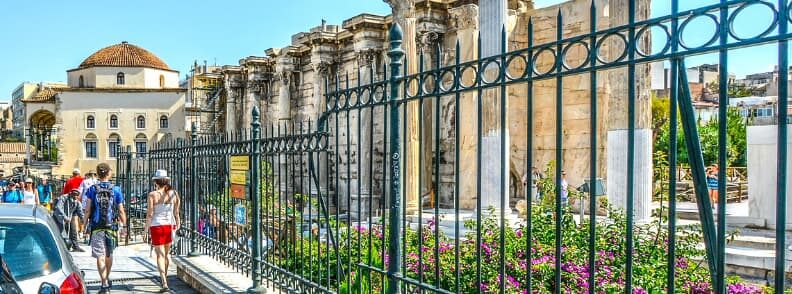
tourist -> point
(66, 208)
(162, 220)
(29, 193)
(106, 215)
(45, 193)
(74, 182)
(712, 183)
(564, 188)
(12, 195)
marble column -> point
(618, 123)
(465, 20)
(284, 95)
(494, 171)
(321, 69)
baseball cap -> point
(76, 171)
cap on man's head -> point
(74, 191)
(76, 171)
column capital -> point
(367, 56)
(464, 17)
(321, 68)
(428, 40)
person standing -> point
(162, 220)
(712, 183)
(12, 195)
(564, 188)
(45, 193)
(67, 207)
(105, 204)
(74, 182)
(29, 193)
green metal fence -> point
(290, 205)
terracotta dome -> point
(124, 55)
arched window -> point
(162, 81)
(163, 122)
(113, 142)
(81, 82)
(120, 78)
(141, 122)
(90, 146)
(90, 122)
(113, 121)
(141, 141)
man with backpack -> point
(106, 215)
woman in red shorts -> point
(162, 219)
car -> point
(9, 286)
(32, 247)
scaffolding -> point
(205, 106)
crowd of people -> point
(91, 209)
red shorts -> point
(161, 235)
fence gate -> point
(345, 204)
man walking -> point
(66, 207)
(105, 204)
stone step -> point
(754, 242)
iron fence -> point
(345, 203)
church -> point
(122, 95)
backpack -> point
(105, 210)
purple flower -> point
(639, 290)
(519, 233)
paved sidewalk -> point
(133, 271)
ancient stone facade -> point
(288, 84)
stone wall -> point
(288, 85)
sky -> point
(41, 39)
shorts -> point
(103, 242)
(161, 235)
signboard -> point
(239, 191)
(240, 214)
(238, 177)
(240, 162)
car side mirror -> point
(47, 288)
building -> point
(288, 84)
(25, 91)
(121, 95)
(12, 156)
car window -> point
(29, 250)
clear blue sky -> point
(42, 39)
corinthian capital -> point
(284, 77)
(401, 8)
(464, 17)
(368, 56)
(427, 41)
(321, 68)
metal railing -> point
(337, 205)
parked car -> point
(32, 247)
(9, 286)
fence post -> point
(128, 184)
(395, 54)
(193, 193)
(255, 197)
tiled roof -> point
(124, 55)
(43, 95)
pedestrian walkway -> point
(134, 271)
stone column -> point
(465, 20)
(321, 69)
(284, 95)
(363, 193)
(492, 18)
(404, 15)
(284, 75)
(617, 140)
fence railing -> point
(340, 204)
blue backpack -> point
(104, 209)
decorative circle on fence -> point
(447, 80)
(468, 76)
(649, 29)
(544, 68)
(429, 83)
(575, 48)
(744, 9)
(616, 42)
(699, 26)
(490, 71)
(516, 67)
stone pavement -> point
(133, 271)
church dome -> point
(124, 55)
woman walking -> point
(29, 193)
(162, 219)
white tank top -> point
(28, 197)
(163, 212)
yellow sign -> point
(240, 162)
(238, 177)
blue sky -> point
(42, 39)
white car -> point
(33, 249)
